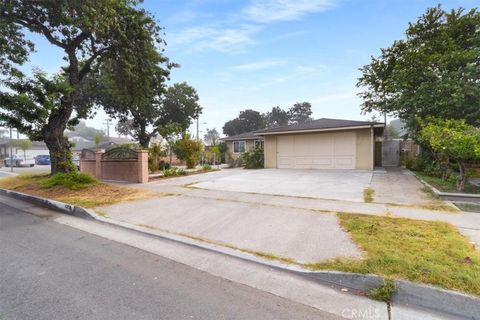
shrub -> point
(426, 164)
(188, 150)
(174, 172)
(72, 180)
(254, 159)
(207, 167)
(235, 163)
(162, 165)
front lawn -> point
(76, 189)
(448, 185)
(429, 252)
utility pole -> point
(107, 123)
(11, 151)
(197, 127)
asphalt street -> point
(51, 271)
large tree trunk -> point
(143, 137)
(57, 144)
(462, 178)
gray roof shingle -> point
(319, 124)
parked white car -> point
(19, 161)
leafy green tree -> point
(223, 148)
(97, 138)
(211, 137)
(300, 113)
(90, 33)
(248, 120)
(179, 105)
(216, 152)
(434, 72)
(24, 145)
(455, 140)
(276, 118)
(170, 132)
(188, 150)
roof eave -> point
(379, 125)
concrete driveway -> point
(224, 207)
(345, 185)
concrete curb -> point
(450, 196)
(408, 293)
(48, 203)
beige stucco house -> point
(243, 142)
(318, 144)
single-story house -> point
(317, 144)
(240, 143)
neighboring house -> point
(108, 143)
(38, 147)
(243, 142)
(79, 139)
(318, 144)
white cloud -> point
(206, 37)
(259, 65)
(265, 11)
(296, 72)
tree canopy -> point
(248, 120)
(454, 140)
(300, 113)
(211, 137)
(434, 71)
(251, 120)
(91, 33)
(277, 117)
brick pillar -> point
(142, 165)
(98, 163)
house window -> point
(259, 144)
(238, 146)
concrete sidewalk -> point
(303, 235)
(297, 227)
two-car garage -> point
(317, 150)
(322, 144)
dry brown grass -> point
(98, 194)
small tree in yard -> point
(24, 144)
(216, 152)
(97, 138)
(170, 132)
(454, 140)
(188, 150)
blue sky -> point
(263, 53)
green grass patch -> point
(384, 292)
(430, 252)
(468, 207)
(368, 195)
(448, 185)
(73, 181)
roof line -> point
(322, 129)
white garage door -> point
(317, 151)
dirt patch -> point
(98, 194)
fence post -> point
(142, 157)
(98, 163)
